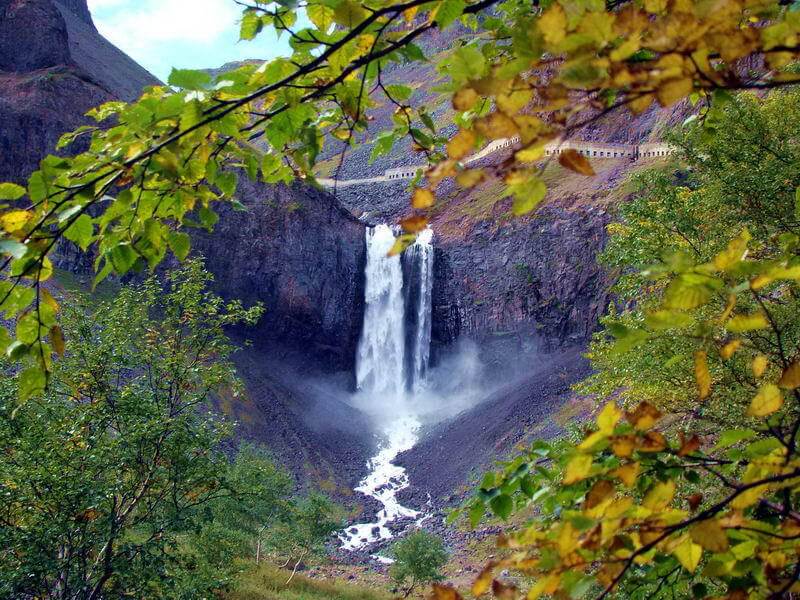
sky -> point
(187, 34)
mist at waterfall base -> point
(396, 387)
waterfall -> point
(389, 364)
(421, 258)
(381, 351)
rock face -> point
(32, 35)
(301, 255)
(50, 76)
(540, 275)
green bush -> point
(419, 558)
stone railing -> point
(586, 148)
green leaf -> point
(32, 381)
(476, 513)
(383, 145)
(37, 188)
(123, 258)
(320, 15)
(251, 25)
(179, 243)
(11, 191)
(463, 64)
(398, 92)
(449, 11)
(16, 350)
(226, 182)
(189, 79)
(527, 196)
(81, 231)
(797, 203)
(14, 248)
(208, 217)
(762, 447)
(502, 506)
(734, 436)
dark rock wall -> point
(539, 275)
(80, 9)
(35, 110)
(300, 254)
(33, 35)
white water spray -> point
(381, 350)
(381, 375)
(421, 255)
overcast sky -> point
(188, 34)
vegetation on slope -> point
(688, 480)
(268, 582)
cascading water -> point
(382, 378)
(421, 256)
(381, 350)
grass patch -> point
(269, 583)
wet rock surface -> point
(302, 256)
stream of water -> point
(386, 381)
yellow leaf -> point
(461, 144)
(470, 177)
(749, 497)
(768, 400)
(545, 585)
(422, 198)
(592, 440)
(653, 441)
(728, 308)
(659, 496)
(627, 473)
(484, 581)
(623, 445)
(568, 539)
(553, 24)
(750, 322)
(655, 6)
(57, 339)
(644, 416)
(688, 554)
(710, 535)
(414, 224)
(600, 491)
(410, 13)
(641, 104)
(701, 374)
(496, 126)
(759, 365)
(444, 592)
(672, 90)
(790, 379)
(608, 418)
(578, 468)
(625, 49)
(465, 99)
(574, 161)
(734, 252)
(48, 299)
(515, 100)
(729, 349)
(14, 220)
(530, 154)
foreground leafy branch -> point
(156, 168)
